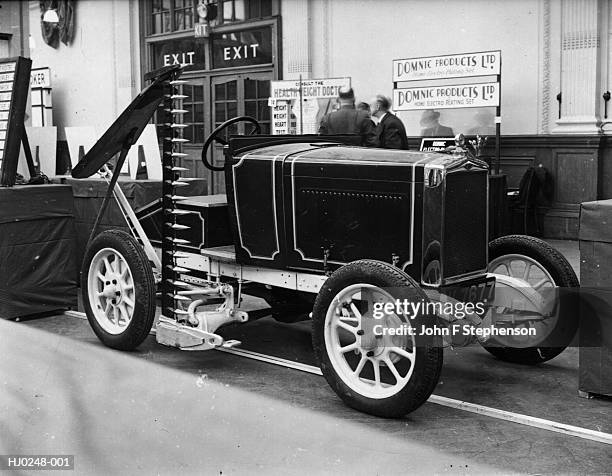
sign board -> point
(40, 85)
(281, 117)
(152, 158)
(242, 48)
(43, 142)
(15, 80)
(446, 97)
(436, 144)
(187, 52)
(311, 88)
(486, 63)
(40, 78)
(201, 30)
(317, 96)
(42, 107)
(79, 138)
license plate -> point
(483, 291)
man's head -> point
(365, 107)
(380, 105)
(346, 96)
(429, 118)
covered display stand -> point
(37, 259)
(596, 298)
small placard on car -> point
(436, 144)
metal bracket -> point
(210, 321)
(173, 334)
(200, 333)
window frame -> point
(221, 4)
(147, 24)
(148, 15)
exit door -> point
(212, 100)
(237, 95)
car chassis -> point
(387, 375)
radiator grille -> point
(465, 223)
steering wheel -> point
(213, 137)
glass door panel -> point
(256, 94)
(226, 98)
(195, 119)
(209, 102)
(238, 95)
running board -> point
(173, 334)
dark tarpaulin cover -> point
(595, 372)
(37, 259)
(595, 369)
(596, 221)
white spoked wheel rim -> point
(111, 290)
(525, 268)
(534, 275)
(374, 366)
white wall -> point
(97, 75)
(361, 38)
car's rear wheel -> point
(118, 290)
(540, 271)
(383, 375)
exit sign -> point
(201, 30)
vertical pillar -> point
(326, 37)
(124, 54)
(297, 41)
(606, 65)
(546, 97)
(580, 67)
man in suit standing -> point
(349, 120)
(390, 131)
(432, 127)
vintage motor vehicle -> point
(323, 229)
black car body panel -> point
(317, 206)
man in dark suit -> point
(390, 131)
(348, 120)
(432, 127)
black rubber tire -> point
(144, 289)
(429, 354)
(564, 277)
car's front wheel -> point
(384, 375)
(118, 290)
